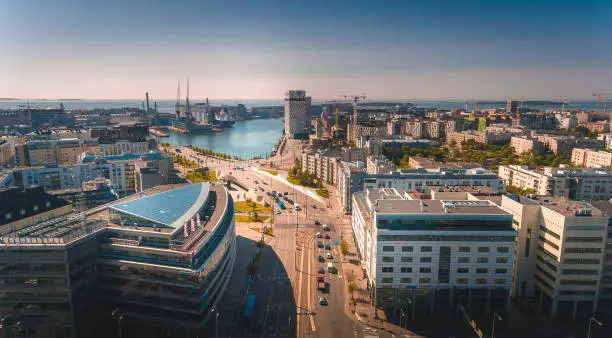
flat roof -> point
(171, 208)
(428, 207)
(561, 205)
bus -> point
(281, 205)
(250, 304)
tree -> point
(252, 269)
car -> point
(320, 258)
(319, 235)
(319, 244)
(322, 300)
(329, 255)
(316, 222)
(178, 150)
(278, 212)
(328, 246)
(314, 206)
(326, 227)
(268, 193)
(286, 193)
(327, 236)
(321, 270)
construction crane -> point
(603, 99)
(355, 100)
(178, 100)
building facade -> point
(591, 158)
(560, 251)
(161, 262)
(524, 144)
(427, 256)
(297, 114)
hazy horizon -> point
(244, 50)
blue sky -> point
(259, 49)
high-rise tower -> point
(297, 114)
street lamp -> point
(591, 320)
(216, 312)
(495, 316)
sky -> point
(258, 49)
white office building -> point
(297, 114)
(425, 256)
(560, 253)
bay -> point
(246, 139)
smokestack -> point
(147, 97)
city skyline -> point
(432, 51)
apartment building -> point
(559, 256)
(417, 179)
(37, 153)
(572, 183)
(524, 144)
(324, 165)
(350, 181)
(479, 137)
(606, 139)
(379, 165)
(426, 256)
(561, 144)
(7, 151)
(591, 158)
(161, 261)
(109, 147)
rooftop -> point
(171, 208)
(17, 203)
(560, 205)
(438, 207)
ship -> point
(223, 119)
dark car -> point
(327, 246)
(314, 206)
(321, 270)
(286, 193)
(317, 222)
(327, 236)
(321, 259)
(319, 244)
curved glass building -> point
(159, 260)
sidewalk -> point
(299, 188)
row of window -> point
(390, 248)
(460, 281)
(389, 259)
(389, 269)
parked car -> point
(321, 259)
(322, 300)
(319, 235)
(319, 244)
(321, 270)
(328, 246)
(327, 236)
(326, 227)
(316, 222)
(286, 193)
(329, 256)
(314, 206)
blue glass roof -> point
(170, 208)
(149, 156)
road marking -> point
(299, 298)
(312, 323)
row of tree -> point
(208, 152)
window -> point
(425, 259)
(501, 270)
(387, 259)
(387, 280)
(548, 253)
(406, 249)
(584, 239)
(463, 259)
(406, 280)
(578, 282)
(406, 270)
(483, 249)
(547, 231)
(426, 249)
(583, 250)
(388, 249)
(548, 242)
(406, 259)
(387, 269)
(462, 280)
(578, 272)
(482, 270)
(481, 281)
(501, 260)
(500, 281)
(503, 249)
(581, 260)
(425, 270)
(482, 260)
(463, 270)
(425, 280)
(464, 249)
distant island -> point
(8, 99)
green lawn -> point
(323, 193)
(250, 219)
(296, 181)
(197, 176)
(247, 207)
(271, 172)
